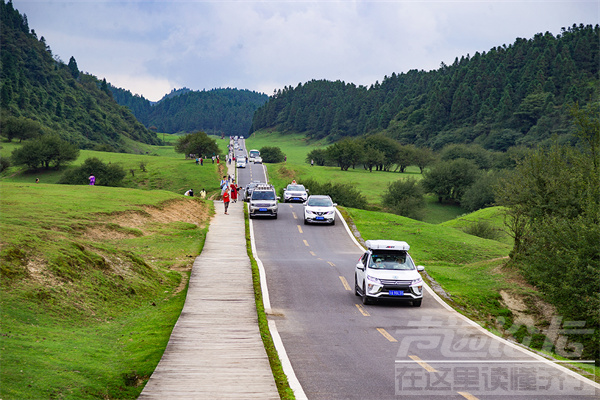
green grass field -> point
(92, 284)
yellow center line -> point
(291, 206)
(468, 395)
(305, 242)
(362, 310)
(345, 283)
(299, 229)
(295, 216)
(423, 364)
(386, 335)
(312, 253)
(330, 263)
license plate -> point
(262, 209)
(296, 198)
(319, 218)
(396, 292)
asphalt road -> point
(340, 349)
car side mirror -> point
(420, 268)
(335, 204)
(307, 190)
(278, 198)
(360, 266)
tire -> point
(356, 292)
(305, 221)
(366, 300)
(275, 216)
(251, 216)
(417, 303)
(333, 222)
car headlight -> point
(373, 279)
(417, 281)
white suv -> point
(294, 192)
(263, 201)
(319, 209)
(386, 271)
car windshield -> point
(297, 188)
(320, 202)
(391, 260)
(263, 195)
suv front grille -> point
(392, 284)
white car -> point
(386, 271)
(240, 163)
(294, 192)
(319, 209)
(258, 160)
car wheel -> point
(251, 216)
(333, 222)
(366, 300)
(305, 221)
(417, 303)
(356, 292)
(275, 216)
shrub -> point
(271, 154)
(106, 174)
(342, 194)
(405, 197)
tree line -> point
(217, 111)
(38, 87)
(511, 95)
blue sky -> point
(152, 47)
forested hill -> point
(36, 86)
(516, 94)
(216, 111)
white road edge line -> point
(277, 342)
(482, 329)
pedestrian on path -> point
(234, 191)
(203, 194)
(224, 184)
(226, 200)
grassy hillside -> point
(93, 280)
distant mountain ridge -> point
(519, 94)
(36, 85)
(217, 111)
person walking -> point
(226, 200)
(224, 184)
(234, 191)
(189, 193)
(92, 179)
(201, 161)
(203, 194)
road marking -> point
(345, 283)
(386, 335)
(423, 364)
(468, 395)
(291, 206)
(299, 229)
(312, 253)
(330, 263)
(295, 216)
(305, 242)
(362, 310)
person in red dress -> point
(234, 191)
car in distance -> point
(257, 160)
(295, 192)
(240, 163)
(319, 209)
(248, 190)
(386, 271)
(263, 201)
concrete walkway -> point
(215, 350)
